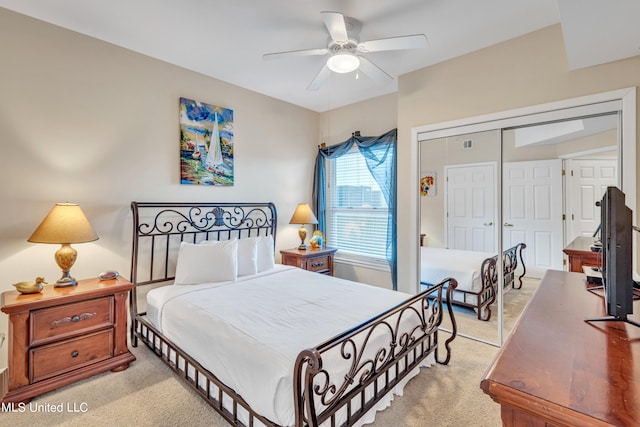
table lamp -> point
(303, 215)
(65, 224)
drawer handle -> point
(72, 319)
(317, 264)
(74, 353)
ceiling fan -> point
(345, 49)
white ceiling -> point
(226, 39)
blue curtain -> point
(380, 154)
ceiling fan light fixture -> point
(343, 63)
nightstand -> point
(63, 335)
(319, 260)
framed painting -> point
(206, 144)
(428, 184)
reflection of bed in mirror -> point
(475, 272)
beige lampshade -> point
(65, 223)
(303, 215)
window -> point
(357, 213)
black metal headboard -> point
(159, 228)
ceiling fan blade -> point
(415, 41)
(320, 79)
(304, 52)
(373, 71)
(336, 26)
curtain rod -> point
(354, 133)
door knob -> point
(506, 224)
(488, 224)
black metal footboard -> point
(377, 355)
(482, 299)
(489, 274)
(510, 262)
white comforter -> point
(437, 264)
(260, 323)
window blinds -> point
(357, 212)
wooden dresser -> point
(62, 335)
(555, 369)
(319, 260)
(580, 254)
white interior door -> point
(532, 212)
(471, 207)
(586, 183)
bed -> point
(272, 344)
(476, 274)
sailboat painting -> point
(206, 144)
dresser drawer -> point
(70, 319)
(320, 263)
(54, 359)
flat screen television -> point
(617, 255)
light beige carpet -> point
(514, 302)
(150, 394)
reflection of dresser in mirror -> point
(580, 254)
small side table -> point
(62, 335)
(319, 260)
(580, 254)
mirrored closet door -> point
(525, 189)
(459, 228)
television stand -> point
(614, 319)
(636, 296)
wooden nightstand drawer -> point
(318, 264)
(70, 319)
(318, 260)
(58, 358)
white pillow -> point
(247, 256)
(213, 262)
(266, 256)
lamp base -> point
(302, 232)
(65, 281)
(65, 258)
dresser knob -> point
(74, 354)
(75, 318)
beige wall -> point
(528, 70)
(372, 117)
(84, 121)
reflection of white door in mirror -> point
(470, 203)
(532, 212)
(587, 179)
